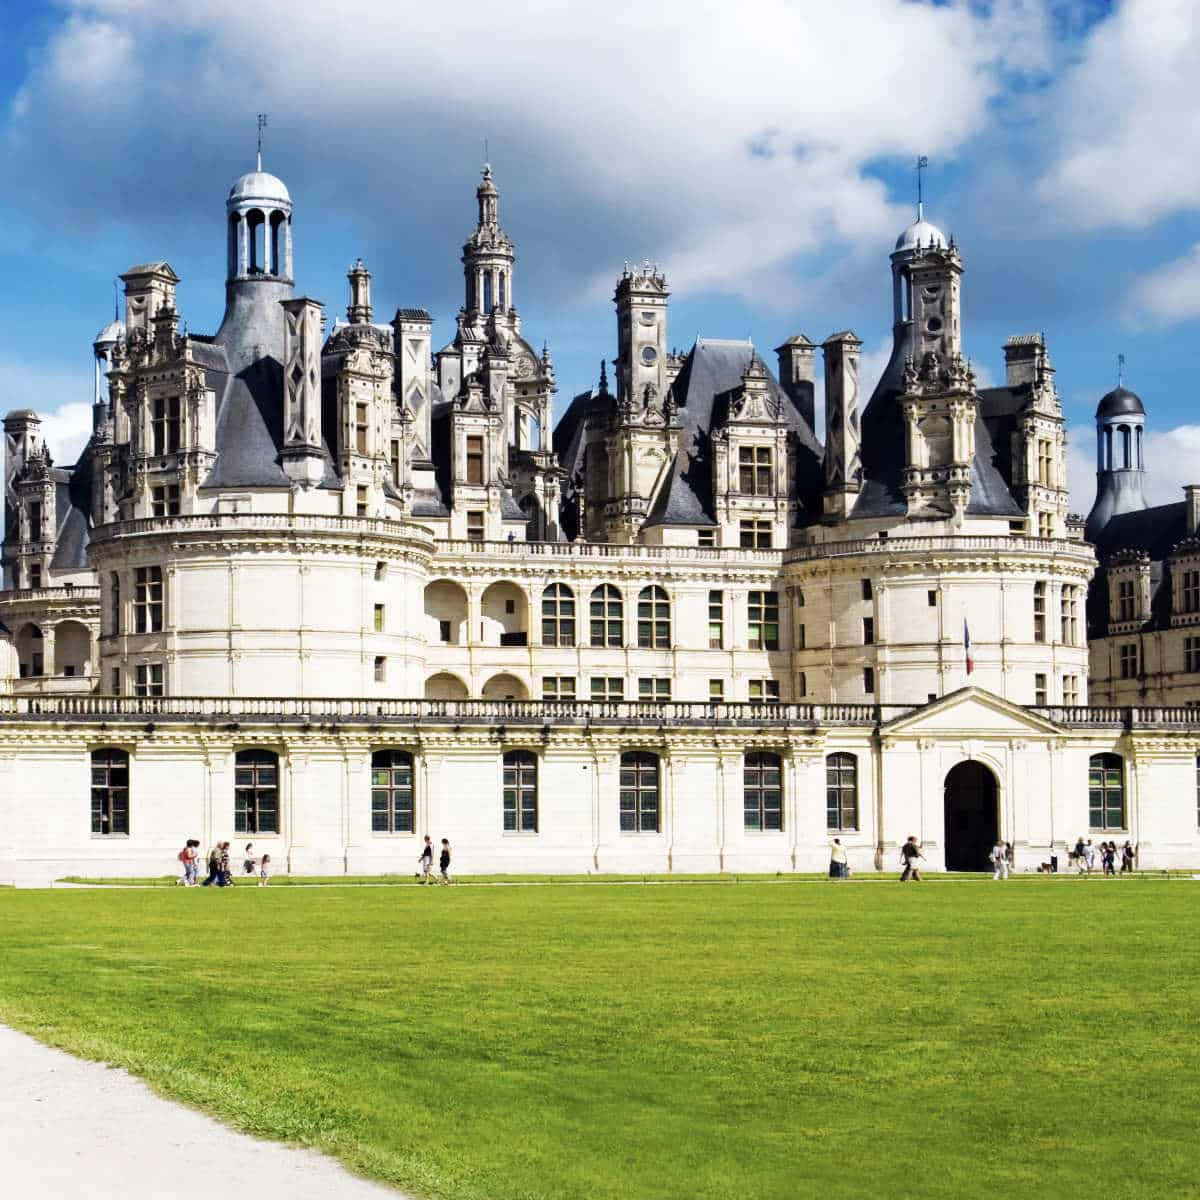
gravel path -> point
(71, 1128)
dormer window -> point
(1191, 591)
(754, 470)
(1126, 602)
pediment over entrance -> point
(971, 711)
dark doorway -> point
(972, 817)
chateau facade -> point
(680, 630)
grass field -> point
(704, 1041)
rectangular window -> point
(869, 680)
(35, 575)
(256, 792)
(148, 600)
(868, 631)
(802, 684)
(1070, 689)
(1191, 591)
(1126, 609)
(1039, 612)
(164, 500)
(1045, 525)
(706, 537)
(360, 501)
(392, 807)
(867, 590)
(639, 808)
(1106, 792)
(1039, 689)
(35, 521)
(558, 687)
(380, 617)
(1191, 654)
(1044, 462)
(762, 625)
(1070, 616)
(799, 637)
(115, 681)
(608, 687)
(164, 424)
(520, 792)
(606, 616)
(475, 526)
(148, 679)
(841, 792)
(380, 668)
(110, 792)
(932, 597)
(754, 470)
(762, 787)
(716, 620)
(380, 572)
(360, 428)
(1128, 660)
(755, 535)
(474, 459)
(716, 691)
(763, 691)
(444, 631)
(657, 689)
(395, 464)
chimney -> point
(1024, 359)
(796, 375)
(1191, 493)
(843, 464)
(303, 460)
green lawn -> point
(615, 1042)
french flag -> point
(967, 647)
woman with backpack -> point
(189, 856)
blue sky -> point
(760, 153)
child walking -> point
(444, 861)
(264, 870)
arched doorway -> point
(972, 817)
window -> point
(1106, 791)
(558, 687)
(148, 600)
(380, 572)
(164, 424)
(360, 501)
(867, 590)
(1128, 660)
(762, 791)
(444, 631)
(1070, 689)
(764, 691)
(802, 684)
(164, 500)
(475, 526)
(716, 691)
(716, 620)
(1044, 462)
(1070, 615)
(654, 619)
(558, 616)
(1045, 525)
(608, 687)
(762, 611)
(639, 792)
(380, 668)
(841, 792)
(1125, 600)
(657, 689)
(110, 792)
(148, 679)
(932, 597)
(800, 637)
(392, 791)
(706, 537)
(1039, 689)
(799, 597)
(520, 792)
(35, 521)
(754, 470)
(35, 575)
(256, 792)
(380, 617)
(1039, 612)
(754, 535)
(869, 680)
(475, 459)
(115, 681)
(1191, 654)
(868, 631)
(1191, 591)
(607, 611)
(395, 464)
(360, 428)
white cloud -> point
(1125, 142)
(1171, 293)
(53, 393)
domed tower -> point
(102, 348)
(1120, 467)
(488, 258)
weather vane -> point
(922, 165)
(262, 124)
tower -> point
(641, 300)
(1120, 468)
(488, 259)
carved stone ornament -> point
(523, 368)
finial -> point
(262, 124)
(1120, 370)
(116, 293)
(603, 377)
(922, 165)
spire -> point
(922, 165)
(262, 124)
(489, 199)
(603, 378)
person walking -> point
(1077, 856)
(226, 870)
(1127, 858)
(1089, 856)
(264, 871)
(999, 857)
(426, 860)
(910, 856)
(213, 862)
(444, 861)
(839, 867)
(189, 856)
(1010, 856)
(249, 862)
(1108, 857)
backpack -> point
(182, 856)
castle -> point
(332, 589)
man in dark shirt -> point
(910, 855)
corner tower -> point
(1120, 467)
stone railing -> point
(970, 544)
(1173, 716)
(281, 522)
(65, 594)
(582, 550)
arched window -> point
(256, 792)
(1106, 791)
(762, 791)
(558, 616)
(607, 616)
(841, 792)
(487, 291)
(1126, 447)
(639, 792)
(110, 791)
(503, 291)
(114, 587)
(391, 791)
(520, 792)
(654, 619)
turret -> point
(488, 257)
(1120, 467)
